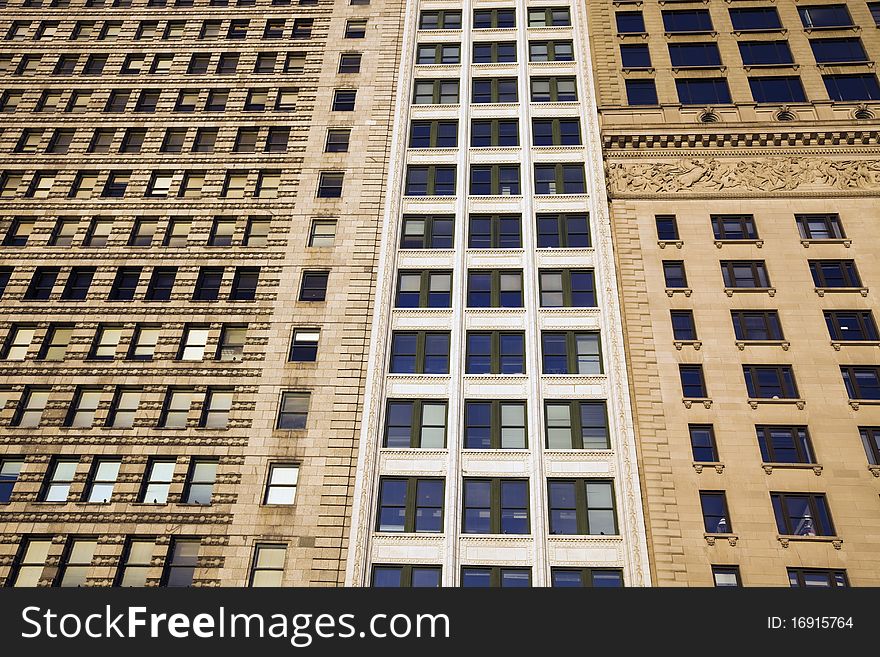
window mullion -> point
(415, 425)
(420, 353)
(577, 436)
(495, 488)
(571, 352)
(581, 501)
(495, 288)
(409, 524)
(495, 428)
(495, 352)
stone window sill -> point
(731, 538)
(742, 344)
(785, 539)
(857, 403)
(769, 291)
(686, 291)
(822, 291)
(757, 243)
(769, 467)
(676, 243)
(846, 242)
(854, 343)
(699, 466)
(690, 401)
(800, 403)
(696, 344)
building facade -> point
(497, 447)
(741, 153)
(191, 194)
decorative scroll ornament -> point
(768, 175)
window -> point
(629, 22)
(281, 484)
(586, 577)
(560, 179)
(143, 231)
(157, 481)
(862, 382)
(216, 408)
(567, 288)
(227, 63)
(702, 91)
(350, 62)
(18, 341)
(551, 51)
(716, 519)
(581, 507)
(10, 469)
(683, 326)
(60, 475)
(116, 184)
(687, 20)
(27, 570)
(745, 274)
(576, 425)
(406, 577)
(274, 28)
(802, 514)
(217, 99)
(106, 341)
(427, 232)
(770, 381)
(343, 100)
(494, 132)
(323, 233)
(161, 283)
(81, 413)
(55, 343)
(726, 576)
(435, 92)
(256, 100)
(133, 141)
(439, 53)
(415, 424)
(703, 443)
(222, 230)
(495, 425)
(433, 180)
(495, 352)
(765, 53)
(494, 90)
(785, 444)
(286, 100)
(563, 231)
(136, 561)
(693, 385)
(5, 275)
(870, 439)
(825, 16)
(419, 352)
(147, 101)
(431, 134)
(192, 346)
(100, 143)
(268, 565)
(494, 231)
(42, 282)
(244, 284)
(41, 185)
(410, 505)
(232, 342)
(330, 184)
(549, 17)
(124, 408)
(143, 342)
(635, 55)
(817, 578)
(495, 506)
(835, 273)
(734, 227)
(175, 410)
(199, 486)
(820, 226)
(204, 141)
(29, 141)
(553, 90)
(694, 55)
(496, 576)
(424, 289)
(494, 18)
(181, 562)
(125, 284)
(495, 288)
(838, 50)
(556, 132)
(265, 63)
(29, 410)
(177, 233)
(874, 8)
(440, 20)
(313, 286)
(337, 140)
(777, 89)
(102, 480)
(487, 52)
(756, 325)
(64, 231)
(571, 352)
(496, 179)
(755, 19)
(851, 325)
(160, 183)
(293, 411)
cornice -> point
(740, 138)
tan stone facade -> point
(741, 158)
(212, 72)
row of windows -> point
(747, 19)
(195, 341)
(559, 288)
(397, 576)
(496, 352)
(779, 444)
(797, 514)
(560, 230)
(83, 410)
(156, 485)
(752, 274)
(159, 4)
(495, 18)
(731, 227)
(497, 506)
(175, 231)
(443, 133)
(445, 91)
(422, 424)
(862, 382)
(494, 179)
(188, 100)
(765, 89)
(236, 28)
(495, 52)
(797, 577)
(161, 284)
